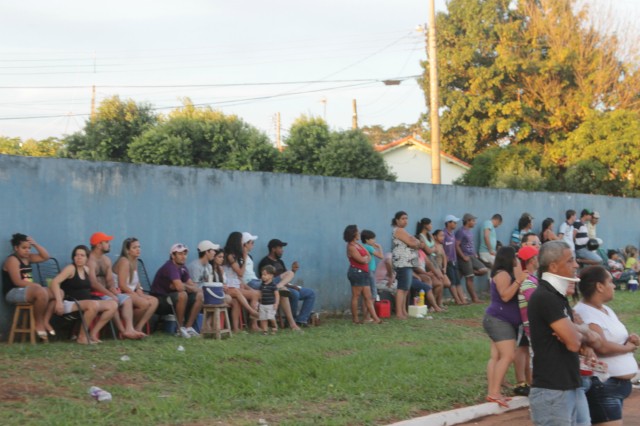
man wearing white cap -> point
(200, 269)
(250, 278)
(173, 280)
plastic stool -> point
(24, 323)
(213, 316)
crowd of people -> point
(104, 291)
(574, 362)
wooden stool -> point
(24, 323)
(213, 314)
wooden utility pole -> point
(93, 103)
(433, 97)
(354, 118)
(278, 140)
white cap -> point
(451, 218)
(246, 237)
(206, 245)
(178, 248)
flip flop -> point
(498, 401)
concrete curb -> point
(466, 414)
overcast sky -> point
(225, 53)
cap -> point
(451, 218)
(596, 214)
(276, 243)
(467, 217)
(178, 248)
(99, 237)
(246, 237)
(206, 245)
(527, 252)
(529, 215)
(586, 212)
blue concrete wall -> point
(62, 202)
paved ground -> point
(520, 417)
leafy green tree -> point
(107, 137)
(350, 154)
(202, 137)
(50, 147)
(10, 146)
(378, 135)
(307, 138)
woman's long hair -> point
(234, 247)
(504, 261)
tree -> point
(202, 137)
(50, 147)
(307, 138)
(10, 146)
(108, 136)
(350, 154)
(378, 135)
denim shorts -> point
(404, 277)
(358, 277)
(16, 295)
(605, 399)
(550, 407)
(452, 273)
(121, 298)
(499, 330)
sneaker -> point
(184, 333)
(192, 332)
(521, 389)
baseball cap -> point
(586, 212)
(99, 237)
(451, 218)
(246, 237)
(276, 243)
(178, 248)
(467, 217)
(596, 215)
(527, 252)
(206, 245)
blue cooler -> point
(170, 324)
(213, 294)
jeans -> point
(606, 399)
(583, 418)
(308, 298)
(584, 253)
(551, 407)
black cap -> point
(276, 243)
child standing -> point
(368, 239)
(269, 300)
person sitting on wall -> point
(488, 239)
(104, 286)
(297, 292)
(581, 239)
(172, 280)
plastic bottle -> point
(421, 301)
(99, 395)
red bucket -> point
(383, 309)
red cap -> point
(527, 252)
(99, 237)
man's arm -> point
(567, 333)
(96, 285)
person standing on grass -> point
(606, 394)
(19, 287)
(555, 392)
(449, 245)
(470, 265)
(404, 258)
(502, 320)
(358, 274)
(489, 239)
(374, 249)
(269, 300)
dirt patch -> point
(19, 392)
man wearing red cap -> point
(102, 282)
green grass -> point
(335, 374)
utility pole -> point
(93, 91)
(433, 97)
(278, 140)
(354, 118)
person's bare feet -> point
(133, 335)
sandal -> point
(42, 335)
(500, 401)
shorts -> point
(417, 285)
(256, 283)
(452, 273)
(267, 312)
(553, 407)
(468, 266)
(404, 277)
(487, 257)
(358, 277)
(499, 330)
(121, 298)
(16, 295)
(163, 305)
(605, 399)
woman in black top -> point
(73, 283)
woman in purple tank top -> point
(502, 319)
